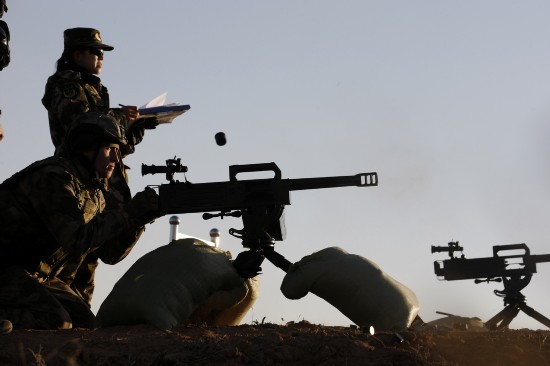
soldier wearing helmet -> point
(56, 226)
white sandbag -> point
(166, 286)
(354, 285)
(227, 307)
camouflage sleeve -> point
(116, 250)
(64, 100)
(75, 222)
(79, 275)
(83, 282)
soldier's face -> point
(106, 160)
(90, 60)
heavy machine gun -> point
(259, 202)
(511, 264)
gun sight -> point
(172, 166)
(450, 248)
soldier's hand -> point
(149, 123)
(131, 112)
(144, 207)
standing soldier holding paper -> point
(76, 88)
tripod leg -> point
(504, 317)
(277, 259)
(534, 314)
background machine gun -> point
(260, 203)
(511, 264)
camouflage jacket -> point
(70, 93)
(54, 223)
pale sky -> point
(448, 101)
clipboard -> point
(153, 111)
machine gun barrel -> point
(532, 260)
(358, 180)
(185, 197)
(540, 258)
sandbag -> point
(221, 308)
(186, 278)
(454, 322)
(354, 285)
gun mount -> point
(511, 264)
(259, 202)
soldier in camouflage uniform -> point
(55, 222)
(75, 88)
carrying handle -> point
(500, 248)
(263, 167)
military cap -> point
(84, 38)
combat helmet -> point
(92, 130)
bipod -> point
(514, 302)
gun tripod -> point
(514, 302)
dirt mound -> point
(269, 344)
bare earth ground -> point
(269, 344)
